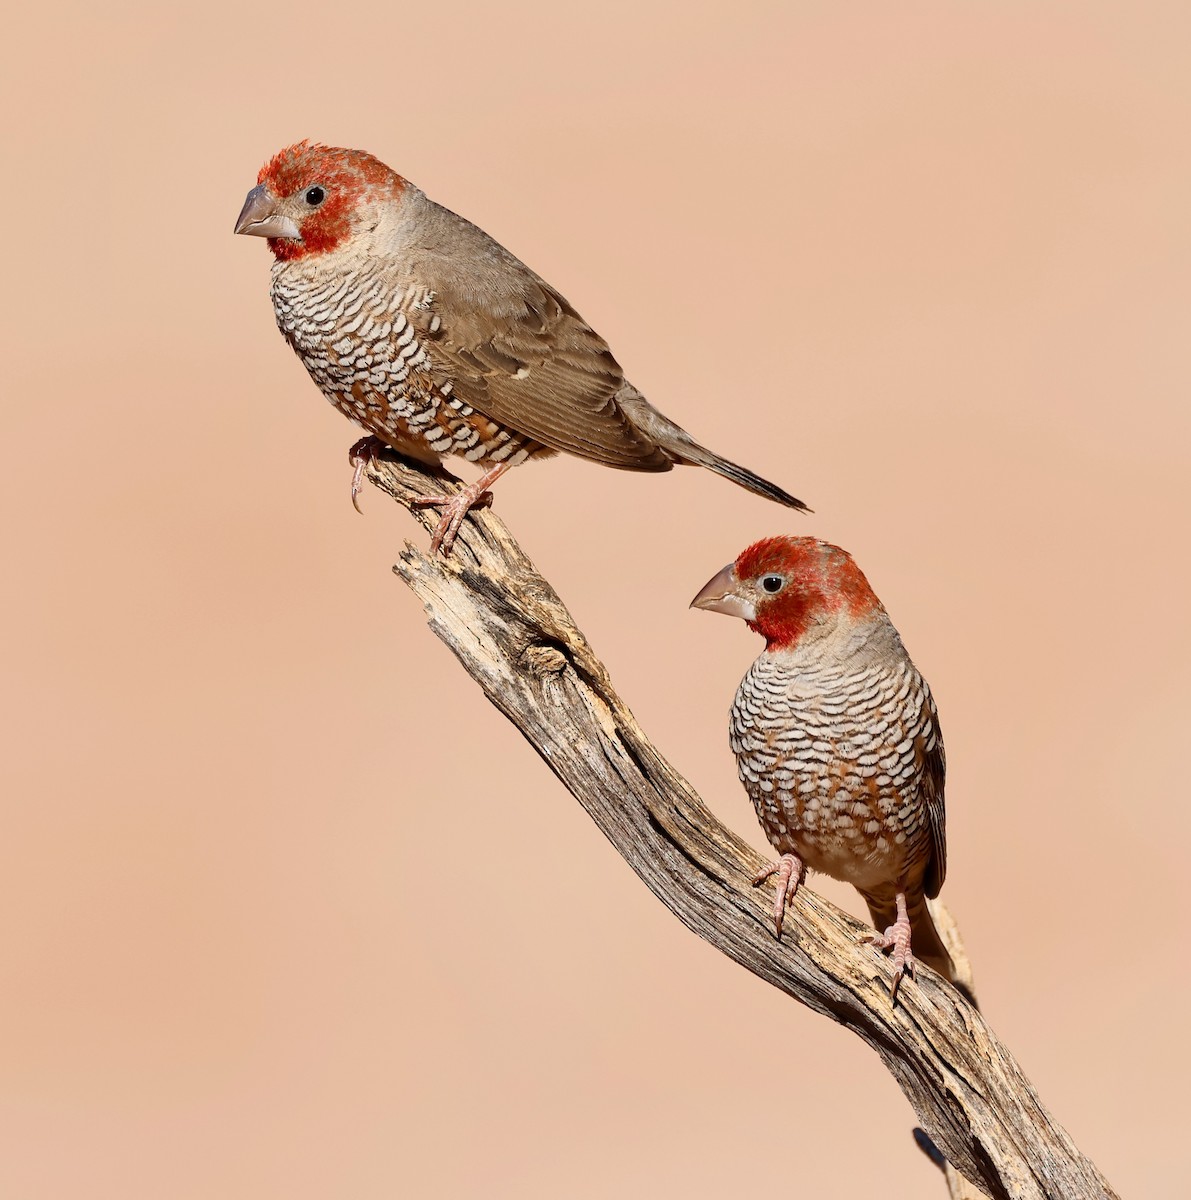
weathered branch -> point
(513, 635)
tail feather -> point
(682, 448)
(700, 456)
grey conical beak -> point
(259, 217)
(720, 595)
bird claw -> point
(454, 509)
(789, 870)
(897, 938)
(362, 454)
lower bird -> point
(437, 341)
(837, 740)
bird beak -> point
(720, 595)
(259, 217)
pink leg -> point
(789, 870)
(897, 939)
(456, 507)
(366, 450)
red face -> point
(781, 586)
(307, 196)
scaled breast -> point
(833, 751)
(352, 335)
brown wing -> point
(929, 745)
(514, 349)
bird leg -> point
(790, 871)
(897, 939)
(364, 452)
(370, 449)
(456, 507)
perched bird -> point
(837, 740)
(433, 338)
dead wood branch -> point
(515, 638)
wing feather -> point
(515, 350)
(934, 772)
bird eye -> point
(315, 196)
(773, 583)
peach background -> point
(286, 910)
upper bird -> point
(837, 739)
(432, 337)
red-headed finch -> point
(434, 339)
(837, 740)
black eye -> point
(773, 583)
(314, 196)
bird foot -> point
(897, 939)
(790, 871)
(455, 506)
(454, 509)
(364, 452)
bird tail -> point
(700, 456)
(683, 448)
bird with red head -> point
(837, 740)
(437, 341)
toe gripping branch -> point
(455, 506)
(790, 871)
(897, 939)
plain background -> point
(286, 910)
